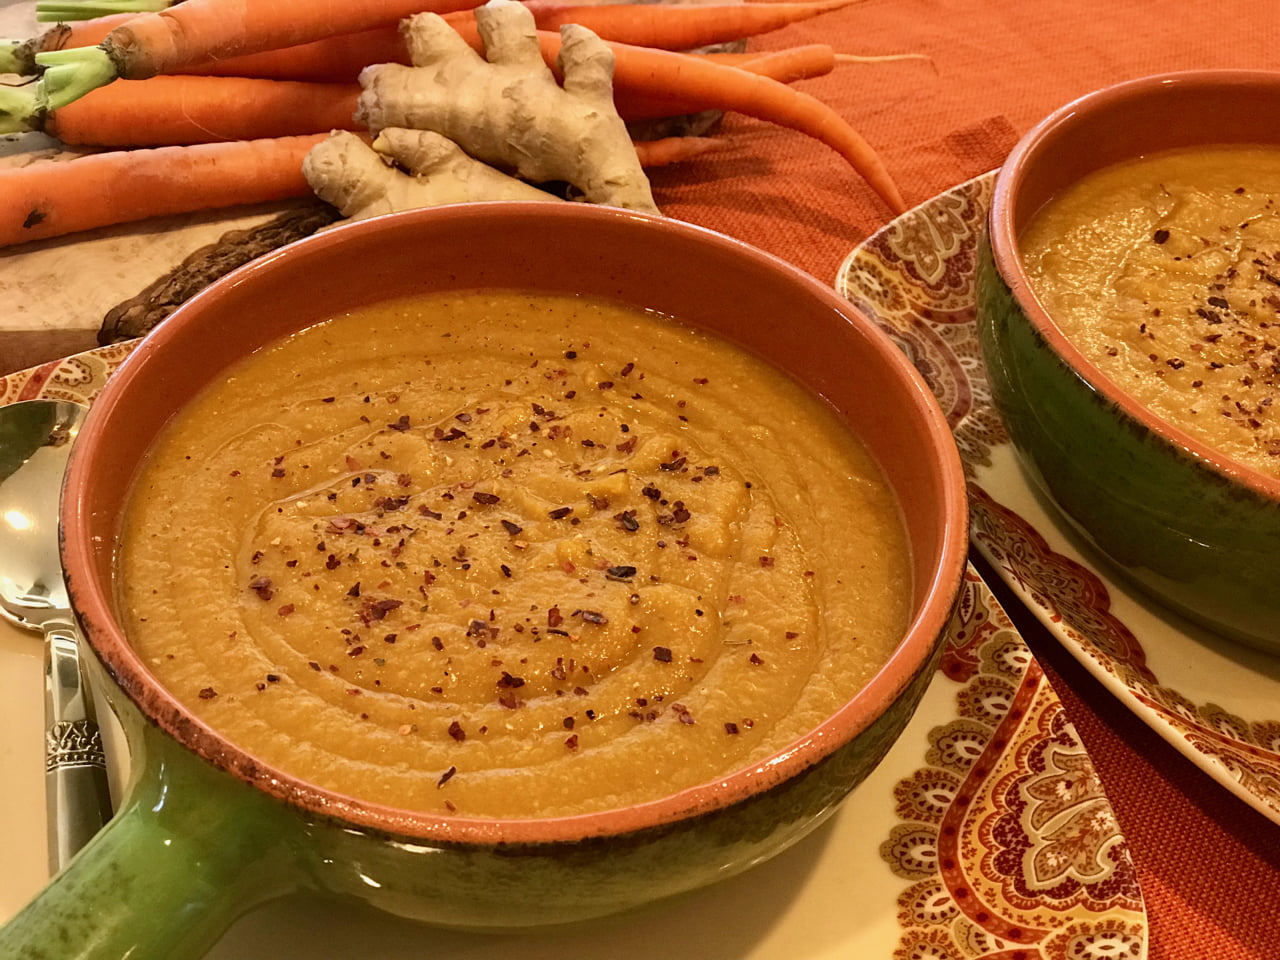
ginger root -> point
(506, 109)
(363, 181)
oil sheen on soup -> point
(510, 555)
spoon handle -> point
(77, 798)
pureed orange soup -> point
(1165, 273)
(512, 555)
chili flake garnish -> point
(208, 693)
(662, 654)
(262, 587)
(624, 572)
(446, 777)
(456, 731)
(591, 616)
(512, 528)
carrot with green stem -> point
(43, 200)
(196, 30)
(164, 111)
(180, 111)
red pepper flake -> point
(400, 425)
(554, 618)
(332, 563)
(507, 680)
(701, 380)
(355, 590)
(682, 712)
(662, 654)
(485, 498)
(730, 727)
(377, 609)
(1160, 236)
(605, 385)
(791, 634)
(446, 777)
(512, 528)
(756, 659)
(671, 466)
(591, 616)
(354, 691)
(627, 520)
(278, 472)
(456, 731)
(273, 678)
(286, 610)
(257, 557)
(568, 723)
(559, 513)
(208, 693)
(571, 741)
(262, 587)
(355, 651)
(508, 701)
(766, 561)
(626, 446)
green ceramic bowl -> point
(1197, 531)
(207, 829)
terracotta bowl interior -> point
(702, 278)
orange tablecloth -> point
(1209, 865)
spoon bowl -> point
(35, 440)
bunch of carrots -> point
(231, 94)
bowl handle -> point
(189, 851)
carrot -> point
(199, 29)
(673, 26)
(785, 66)
(165, 111)
(45, 200)
(196, 30)
(667, 26)
(332, 59)
(668, 150)
(82, 33)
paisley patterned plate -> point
(984, 834)
(1215, 701)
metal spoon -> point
(35, 439)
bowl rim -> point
(1004, 247)
(913, 653)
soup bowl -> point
(207, 828)
(1196, 530)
